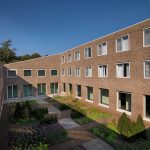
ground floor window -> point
(70, 88)
(147, 106)
(64, 87)
(124, 101)
(27, 90)
(54, 88)
(90, 93)
(104, 96)
(78, 90)
(41, 88)
(12, 91)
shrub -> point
(49, 120)
(76, 114)
(83, 120)
(63, 107)
(113, 126)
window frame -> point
(63, 58)
(12, 76)
(89, 100)
(106, 70)
(144, 108)
(69, 58)
(12, 91)
(75, 55)
(144, 69)
(88, 53)
(144, 38)
(85, 71)
(68, 71)
(25, 70)
(100, 96)
(51, 72)
(102, 44)
(76, 72)
(38, 74)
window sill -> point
(122, 51)
(78, 97)
(123, 77)
(146, 119)
(146, 45)
(103, 105)
(90, 101)
(102, 55)
(124, 111)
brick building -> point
(111, 72)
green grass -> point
(83, 120)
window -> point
(102, 49)
(77, 72)
(147, 106)
(12, 91)
(69, 73)
(27, 90)
(147, 69)
(54, 72)
(146, 37)
(88, 71)
(102, 71)
(104, 96)
(69, 58)
(64, 87)
(41, 73)
(27, 73)
(41, 88)
(54, 88)
(88, 53)
(70, 88)
(124, 101)
(78, 90)
(12, 73)
(123, 70)
(90, 93)
(63, 59)
(77, 55)
(63, 72)
(123, 43)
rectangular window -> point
(89, 93)
(88, 71)
(63, 72)
(41, 87)
(88, 53)
(28, 73)
(77, 72)
(124, 101)
(104, 96)
(27, 90)
(12, 91)
(147, 69)
(147, 106)
(123, 43)
(146, 37)
(102, 49)
(12, 73)
(102, 71)
(63, 59)
(78, 90)
(69, 72)
(64, 87)
(123, 70)
(54, 88)
(41, 73)
(54, 72)
(77, 55)
(69, 58)
(70, 88)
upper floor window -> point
(88, 71)
(27, 72)
(123, 70)
(102, 49)
(122, 43)
(102, 71)
(147, 69)
(41, 73)
(69, 72)
(69, 58)
(88, 53)
(63, 59)
(77, 55)
(146, 38)
(54, 72)
(77, 72)
(62, 72)
(12, 73)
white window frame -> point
(54, 87)
(122, 64)
(79, 97)
(61, 72)
(88, 53)
(68, 72)
(41, 69)
(51, 72)
(121, 110)
(101, 104)
(11, 70)
(106, 71)
(144, 109)
(98, 48)
(144, 37)
(62, 59)
(144, 69)
(69, 58)
(77, 75)
(88, 100)
(91, 71)
(121, 43)
(77, 55)
(25, 70)
(12, 91)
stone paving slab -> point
(68, 123)
(53, 110)
(97, 144)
